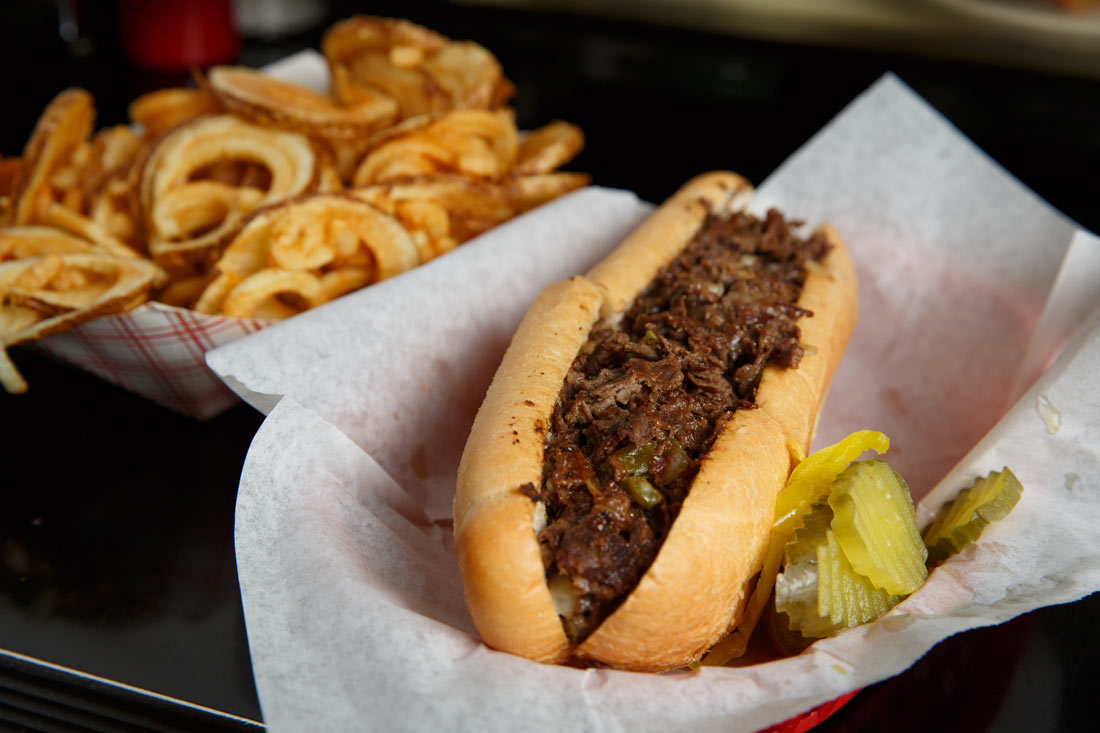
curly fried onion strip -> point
(343, 241)
(476, 142)
(183, 154)
(274, 293)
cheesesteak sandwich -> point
(617, 489)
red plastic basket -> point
(810, 718)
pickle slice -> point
(808, 482)
(810, 479)
(876, 527)
(796, 588)
(787, 641)
(819, 591)
(851, 598)
(963, 519)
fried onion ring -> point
(344, 280)
(548, 148)
(10, 168)
(183, 293)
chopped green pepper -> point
(634, 460)
(642, 491)
(674, 461)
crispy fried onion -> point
(475, 142)
(268, 101)
(110, 208)
(106, 182)
(19, 243)
(301, 253)
(160, 111)
(53, 158)
(274, 293)
(52, 292)
(10, 170)
(183, 293)
(532, 191)
(442, 212)
(547, 148)
(204, 177)
(423, 71)
(82, 226)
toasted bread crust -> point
(691, 595)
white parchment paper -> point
(351, 593)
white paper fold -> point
(351, 595)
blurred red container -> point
(174, 35)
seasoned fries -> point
(251, 197)
(266, 101)
(303, 253)
(47, 293)
(422, 71)
(202, 178)
(474, 142)
(165, 109)
(53, 158)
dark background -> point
(116, 515)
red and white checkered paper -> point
(158, 352)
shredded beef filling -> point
(646, 398)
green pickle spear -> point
(876, 527)
(963, 519)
